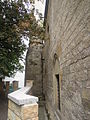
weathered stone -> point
(69, 24)
(30, 111)
(22, 112)
(86, 93)
(66, 84)
(34, 66)
(15, 108)
(12, 115)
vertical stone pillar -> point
(7, 86)
(15, 85)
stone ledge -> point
(20, 96)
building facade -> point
(61, 70)
(67, 59)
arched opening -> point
(56, 83)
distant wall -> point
(68, 42)
(34, 66)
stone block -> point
(86, 99)
(81, 76)
(36, 118)
(14, 107)
(86, 63)
(12, 115)
(30, 111)
(86, 93)
(89, 75)
(24, 112)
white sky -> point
(40, 5)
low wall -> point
(22, 106)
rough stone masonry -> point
(66, 69)
(68, 46)
(34, 66)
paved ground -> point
(42, 112)
(3, 108)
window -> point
(56, 83)
(58, 91)
(48, 29)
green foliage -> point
(36, 29)
(12, 46)
(33, 26)
(14, 23)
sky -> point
(40, 6)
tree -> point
(14, 23)
(12, 46)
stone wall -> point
(68, 31)
(22, 106)
(22, 112)
(34, 66)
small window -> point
(48, 29)
(56, 84)
(58, 91)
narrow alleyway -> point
(42, 111)
(3, 107)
